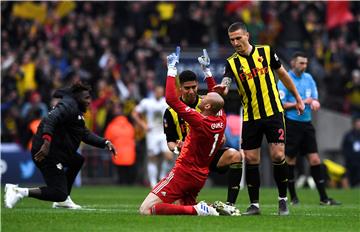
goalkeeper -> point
(191, 169)
(176, 129)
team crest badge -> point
(260, 59)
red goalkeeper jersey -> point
(204, 139)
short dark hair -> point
(298, 54)
(79, 87)
(236, 26)
(187, 75)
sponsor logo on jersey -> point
(254, 73)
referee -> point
(252, 68)
(300, 132)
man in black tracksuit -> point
(54, 149)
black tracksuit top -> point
(66, 126)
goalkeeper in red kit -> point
(176, 193)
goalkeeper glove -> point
(204, 61)
(172, 60)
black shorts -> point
(213, 165)
(273, 127)
(301, 138)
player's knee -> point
(252, 159)
(234, 156)
(277, 157)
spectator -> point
(35, 103)
(28, 82)
(352, 99)
(122, 135)
(351, 151)
(336, 175)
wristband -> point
(172, 71)
(47, 137)
(207, 72)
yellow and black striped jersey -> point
(256, 81)
(176, 128)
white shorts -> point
(156, 143)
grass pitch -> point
(112, 208)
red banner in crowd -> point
(338, 13)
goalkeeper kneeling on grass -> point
(191, 169)
(54, 149)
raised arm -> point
(187, 113)
(204, 61)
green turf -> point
(116, 209)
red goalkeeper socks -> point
(171, 209)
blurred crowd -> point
(119, 49)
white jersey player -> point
(153, 108)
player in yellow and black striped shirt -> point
(252, 68)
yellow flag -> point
(64, 8)
(30, 10)
(166, 10)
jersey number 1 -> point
(216, 137)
